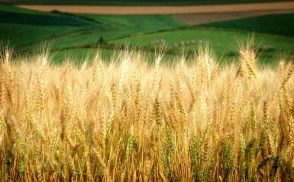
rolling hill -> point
(76, 35)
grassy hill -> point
(278, 24)
(76, 35)
(26, 29)
(222, 41)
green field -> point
(26, 30)
(76, 35)
(278, 24)
(222, 41)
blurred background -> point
(74, 29)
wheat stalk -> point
(133, 121)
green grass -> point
(79, 55)
(28, 29)
(22, 36)
(278, 24)
(35, 19)
(13, 15)
(222, 41)
(77, 35)
(122, 26)
(119, 27)
(25, 28)
(141, 23)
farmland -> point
(153, 10)
(134, 2)
(83, 30)
(78, 35)
(146, 93)
(262, 24)
(192, 120)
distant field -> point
(223, 41)
(152, 10)
(205, 18)
(134, 2)
(78, 35)
(26, 28)
(279, 24)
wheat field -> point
(131, 121)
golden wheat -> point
(130, 121)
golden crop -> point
(131, 121)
